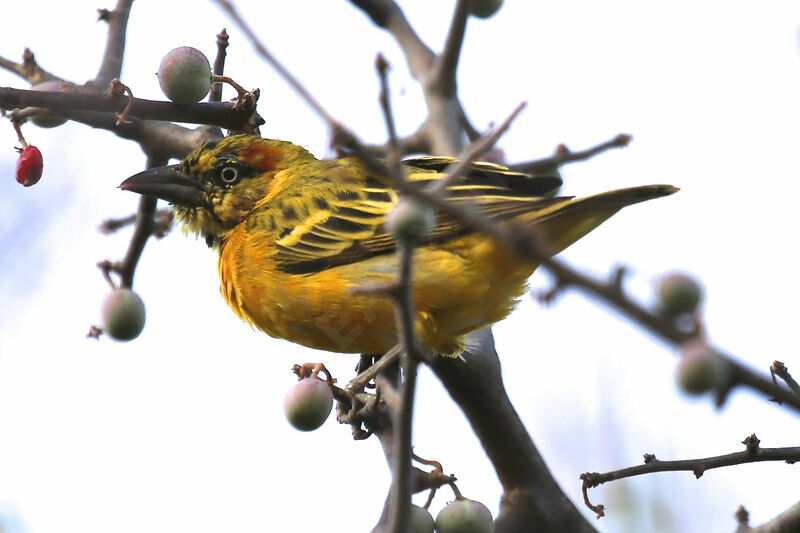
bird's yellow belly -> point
(458, 287)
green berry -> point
(464, 516)
(185, 75)
(410, 220)
(420, 520)
(700, 370)
(47, 121)
(123, 315)
(308, 404)
(485, 8)
(679, 293)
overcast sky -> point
(183, 429)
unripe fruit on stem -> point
(464, 516)
(29, 166)
(47, 121)
(678, 293)
(420, 520)
(700, 370)
(123, 315)
(185, 75)
(308, 404)
(485, 8)
(410, 220)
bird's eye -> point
(229, 174)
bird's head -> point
(217, 185)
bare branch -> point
(162, 219)
(787, 521)
(219, 65)
(111, 64)
(409, 360)
(29, 69)
(230, 9)
(142, 231)
(779, 369)
(752, 454)
(475, 150)
(388, 15)
(471, 131)
(563, 156)
(416, 143)
(224, 115)
(443, 79)
(532, 499)
(383, 67)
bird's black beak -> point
(167, 183)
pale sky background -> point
(183, 428)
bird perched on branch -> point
(297, 235)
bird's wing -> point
(490, 172)
(336, 214)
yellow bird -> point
(296, 235)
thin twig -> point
(111, 64)
(563, 156)
(229, 8)
(388, 15)
(409, 361)
(29, 69)
(219, 66)
(416, 143)
(383, 67)
(787, 521)
(443, 79)
(779, 369)
(752, 454)
(162, 217)
(360, 381)
(474, 150)
(400, 496)
(142, 231)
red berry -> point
(29, 166)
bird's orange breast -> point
(458, 287)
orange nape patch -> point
(261, 156)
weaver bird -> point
(296, 235)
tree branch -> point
(265, 54)
(786, 522)
(219, 66)
(111, 64)
(779, 369)
(388, 15)
(532, 499)
(29, 69)
(563, 156)
(698, 467)
(443, 79)
(416, 143)
(224, 115)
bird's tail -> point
(563, 223)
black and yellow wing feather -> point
(343, 223)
